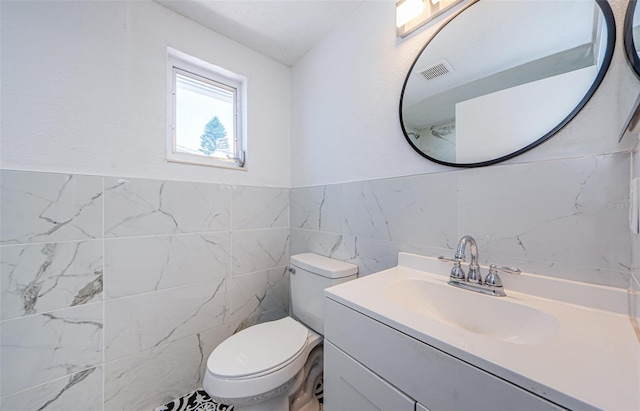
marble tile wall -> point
(564, 218)
(114, 291)
(634, 296)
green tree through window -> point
(214, 137)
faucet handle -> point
(510, 270)
(452, 260)
(456, 272)
(493, 279)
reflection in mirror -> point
(632, 47)
(503, 76)
(634, 27)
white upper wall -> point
(346, 90)
(84, 91)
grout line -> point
(114, 176)
(51, 242)
(53, 311)
(225, 230)
(167, 289)
(50, 381)
(104, 294)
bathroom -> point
(142, 266)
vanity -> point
(404, 339)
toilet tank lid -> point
(324, 266)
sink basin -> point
(568, 342)
(496, 317)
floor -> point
(199, 400)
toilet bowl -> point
(275, 366)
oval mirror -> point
(501, 77)
(632, 35)
(632, 47)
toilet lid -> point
(258, 348)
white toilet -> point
(275, 366)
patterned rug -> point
(199, 400)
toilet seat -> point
(258, 350)
(245, 374)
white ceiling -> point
(281, 29)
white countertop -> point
(593, 361)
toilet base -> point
(279, 403)
(298, 394)
(304, 398)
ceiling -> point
(281, 29)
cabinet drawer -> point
(348, 386)
(433, 378)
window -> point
(206, 113)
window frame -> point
(196, 69)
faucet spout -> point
(472, 245)
(474, 268)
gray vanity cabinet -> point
(369, 366)
(354, 387)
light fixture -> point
(413, 14)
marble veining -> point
(149, 320)
(144, 264)
(561, 218)
(317, 208)
(418, 209)
(43, 277)
(326, 244)
(39, 348)
(256, 250)
(41, 207)
(191, 316)
(252, 296)
(138, 207)
(260, 207)
(79, 391)
(560, 211)
(171, 367)
(153, 279)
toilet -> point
(276, 365)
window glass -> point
(204, 117)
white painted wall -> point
(83, 91)
(346, 90)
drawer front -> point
(348, 386)
(433, 378)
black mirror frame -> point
(611, 41)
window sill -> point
(207, 162)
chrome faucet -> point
(492, 285)
(474, 268)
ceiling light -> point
(406, 10)
(413, 14)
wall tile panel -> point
(37, 278)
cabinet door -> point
(349, 386)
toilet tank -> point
(314, 273)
